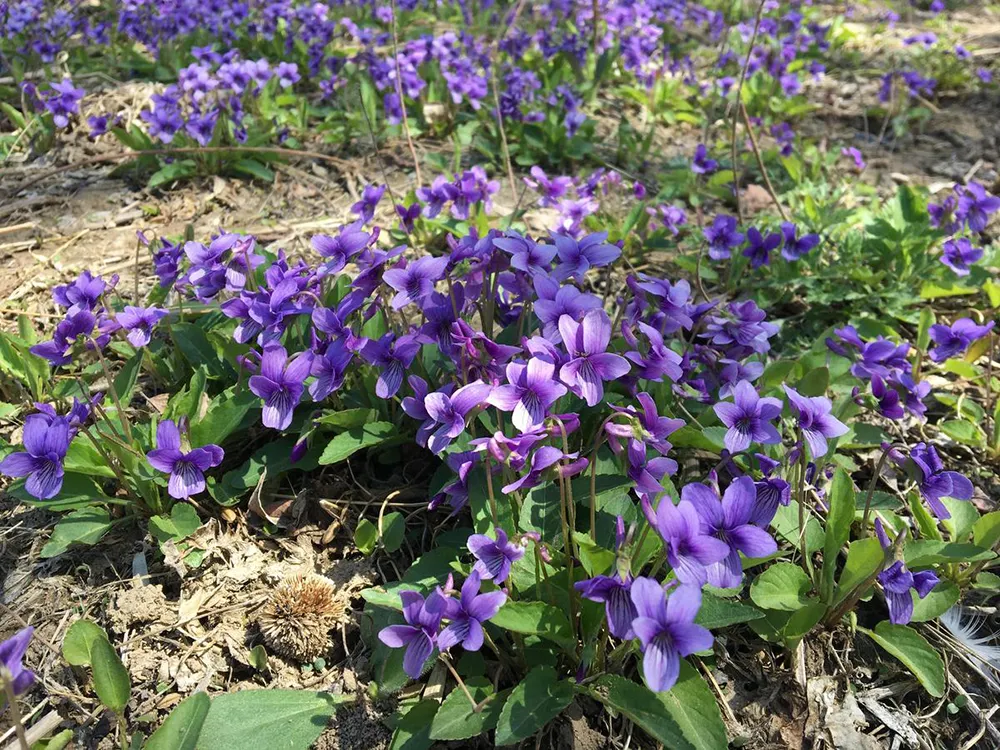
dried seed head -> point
(297, 620)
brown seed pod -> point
(297, 620)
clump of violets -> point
(186, 468)
(898, 583)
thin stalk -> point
(490, 495)
(114, 393)
(447, 662)
(399, 93)
(15, 712)
(569, 562)
(871, 488)
(739, 99)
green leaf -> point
(393, 530)
(267, 719)
(964, 432)
(815, 382)
(78, 643)
(350, 442)
(927, 319)
(923, 553)
(168, 173)
(536, 618)
(534, 702)
(717, 612)
(275, 458)
(789, 627)
(187, 402)
(194, 344)
(253, 168)
(986, 531)
(456, 720)
(181, 728)
(84, 526)
(182, 522)
(111, 681)
(911, 648)
(348, 418)
(595, 559)
(413, 730)
(686, 717)
(941, 598)
(225, 414)
(78, 491)
(786, 526)
(783, 586)
(864, 558)
(125, 380)
(84, 458)
(365, 536)
(541, 511)
(930, 290)
(838, 526)
(963, 517)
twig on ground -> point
(739, 102)
(399, 93)
(760, 161)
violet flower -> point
(759, 248)
(689, 550)
(731, 521)
(616, 594)
(796, 247)
(554, 301)
(936, 483)
(976, 205)
(468, 613)
(419, 635)
(450, 412)
(897, 582)
(370, 197)
(46, 441)
(551, 189)
(139, 322)
(531, 390)
(416, 280)
(953, 340)
(525, 254)
(856, 155)
(576, 258)
(959, 255)
(82, 294)
(666, 629)
(590, 363)
(392, 357)
(494, 558)
(76, 325)
(701, 164)
(329, 369)
(186, 470)
(280, 384)
(12, 653)
(815, 420)
(748, 418)
(722, 237)
(541, 460)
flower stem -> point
(15, 712)
(114, 393)
(476, 708)
(871, 487)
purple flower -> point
(701, 163)
(46, 441)
(526, 255)
(759, 248)
(959, 255)
(280, 384)
(186, 470)
(616, 593)
(658, 361)
(576, 258)
(83, 294)
(139, 322)
(435, 196)
(98, 125)
(666, 629)
(554, 301)
(450, 412)
(419, 635)
(12, 653)
(590, 364)
(897, 582)
(976, 205)
(748, 418)
(689, 550)
(542, 459)
(494, 558)
(794, 248)
(722, 237)
(76, 325)
(671, 217)
(329, 369)
(468, 613)
(416, 280)
(551, 189)
(731, 521)
(859, 161)
(392, 358)
(63, 102)
(953, 340)
(936, 483)
(288, 74)
(815, 420)
(370, 197)
(531, 390)
(350, 241)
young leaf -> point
(864, 558)
(783, 586)
(534, 702)
(365, 536)
(181, 728)
(414, 728)
(838, 527)
(225, 414)
(684, 718)
(182, 522)
(986, 531)
(79, 642)
(111, 680)
(941, 598)
(350, 442)
(923, 553)
(536, 618)
(456, 720)
(84, 526)
(124, 383)
(393, 530)
(267, 719)
(911, 648)
(716, 612)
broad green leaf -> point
(84, 458)
(941, 598)
(784, 586)
(596, 560)
(927, 319)
(986, 531)
(172, 172)
(786, 526)
(788, 627)
(347, 443)
(111, 681)
(181, 728)
(84, 526)
(456, 720)
(536, 618)
(182, 522)
(963, 517)
(686, 717)
(911, 648)
(534, 702)
(413, 730)
(964, 432)
(717, 612)
(187, 402)
(923, 553)
(393, 530)
(225, 414)
(864, 559)
(815, 382)
(78, 491)
(253, 168)
(348, 418)
(267, 719)
(197, 348)
(126, 378)
(365, 536)
(930, 290)
(838, 527)
(78, 642)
